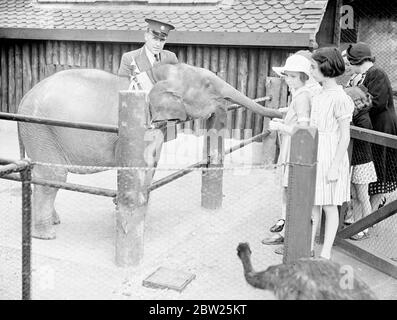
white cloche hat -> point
(295, 63)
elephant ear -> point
(166, 102)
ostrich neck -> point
(247, 265)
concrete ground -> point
(179, 234)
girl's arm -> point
(344, 125)
(302, 108)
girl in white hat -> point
(297, 74)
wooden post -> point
(62, 53)
(18, 78)
(26, 69)
(83, 50)
(11, 79)
(35, 63)
(51, 50)
(42, 64)
(301, 189)
(242, 79)
(251, 91)
(197, 123)
(214, 145)
(76, 54)
(134, 150)
(263, 70)
(69, 54)
(115, 58)
(273, 89)
(4, 80)
(231, 78)
(91, 56)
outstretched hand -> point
(276, 124)
(283, 110)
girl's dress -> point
(328, 107)
(291, 119)
(363, 169)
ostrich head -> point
(243, 250)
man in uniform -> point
(134, 64)
(151, 53)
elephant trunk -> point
(233, 94)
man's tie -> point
(156, 57)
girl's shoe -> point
(278, 226)
(361, 235)
(280, 251)
(382, 203)
(275, 239)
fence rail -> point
(372, 259)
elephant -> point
(179, 91)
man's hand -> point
(134, 70)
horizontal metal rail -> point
(247, 142)
(176, 175)
(67, 186)
(191, 168)
(12, 167)
(237, 106)
(59, 123)
(94, 126)
(113, 193)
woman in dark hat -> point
(383, 118)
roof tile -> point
(241, 16)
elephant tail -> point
(21, 146)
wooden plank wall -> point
(23, 63)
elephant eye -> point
(207, 84)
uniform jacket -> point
(142, 61)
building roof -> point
(280, 22)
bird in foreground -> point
(305, 279)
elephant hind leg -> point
(55, 217)
(44, 213)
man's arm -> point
(170, 58)
(124, 69)
(174, 58)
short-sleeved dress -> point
(291, 119)
(328, 107)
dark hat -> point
(158, 28)
(357, 52)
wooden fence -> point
(355, 249)
(23, 63)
